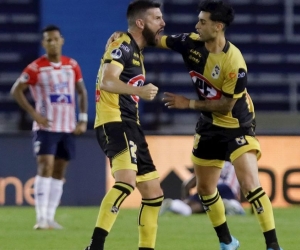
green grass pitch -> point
(175, 232)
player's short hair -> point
(138, 8)
(51, 27)
(219, 11)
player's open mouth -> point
(159, 31)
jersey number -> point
(133, 149)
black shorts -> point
(213, 144)
(125, 145)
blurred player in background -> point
(53, 80)
(120, 85)
(226, 127)
(228, 187)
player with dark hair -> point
(226, 127)
(120, 85)
(53, 80)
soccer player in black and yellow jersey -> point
(120, 85)
(226, 127)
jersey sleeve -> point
(118, 53)
(235, 81)
(179, 42)
(77, 70)
(29, 74)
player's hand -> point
(173, 101)
(41, 120)
(113, 38)
(148, 92)
(80, 128)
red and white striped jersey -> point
(52, 86)
(229, 178)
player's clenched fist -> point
(148, 92)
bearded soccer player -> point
(53, 80)
(226, 127)
(120, 85)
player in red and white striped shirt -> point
(53, 80)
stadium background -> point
(266, 31)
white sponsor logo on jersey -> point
(124, 47)
(116, 53)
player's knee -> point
(150, 189)
(205, 189)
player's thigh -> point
(118, 146)
(244, 153)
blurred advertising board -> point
(279, 167)
(84, 182)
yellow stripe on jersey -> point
(117, 64)
(163, 41)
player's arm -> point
(224, 105)
(186, 186)
(110, 82)
(81, 126)
(17, 91)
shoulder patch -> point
(116, 53)
(115, 44)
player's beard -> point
(149, 36)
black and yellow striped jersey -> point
(214, 75)
(110, 107)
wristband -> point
(83, 117)
(192, 104)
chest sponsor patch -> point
(60, 98)
(204, 87)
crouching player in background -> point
(228, 187)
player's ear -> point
(140, 23)
(220, 26)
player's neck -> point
(217, 45)
(138, 38)
(53, 58)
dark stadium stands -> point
(266, 33)
(19, 39)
